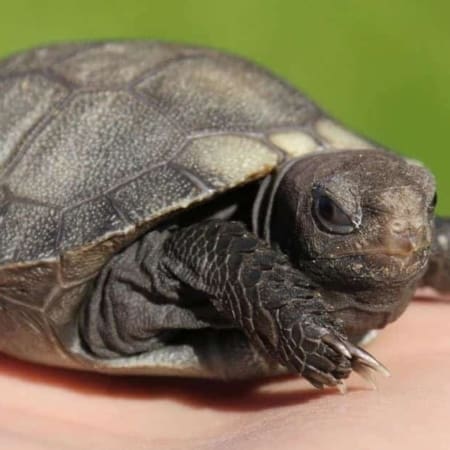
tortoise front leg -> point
(437, 275)
(140, 299)
(279, 308)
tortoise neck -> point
(263, 205)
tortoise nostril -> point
(403, 244)
(405, 238)
(398, 226)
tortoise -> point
(175, 210)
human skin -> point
(47, 408)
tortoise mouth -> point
(381, 265)
(401, 252)
(387, 251)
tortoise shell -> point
(101, 142)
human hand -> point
(46, 408)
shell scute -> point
(98, 141)
(155, 193)
(223, 93)
(24, 102)
(28, 232)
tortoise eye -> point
(331, 217)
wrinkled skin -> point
(44, 408)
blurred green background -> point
(382, 67)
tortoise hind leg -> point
(437, 274)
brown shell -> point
(99, 143)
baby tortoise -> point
(173, 210)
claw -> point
(365, 373)
(363, 358)
(341, 387)
(320, 379)
(316, 384)
(337, 345)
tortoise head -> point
(359, 222)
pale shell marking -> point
(224, 161)
(294, 143)
(340, 138)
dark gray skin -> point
(350, 236)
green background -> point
(382, 67)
